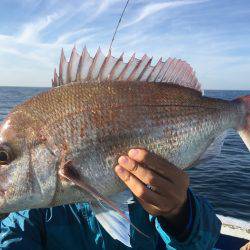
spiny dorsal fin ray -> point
(84, 68)
(117, 69)
(107, 67)
(63, 68)
(155, 71)
(73, 66)
(55, 80)
(96, 65)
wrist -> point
(179, 222)
(179, 211)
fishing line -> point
(117, 26)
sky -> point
(212, 35)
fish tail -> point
(244, 131)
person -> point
(165, 208)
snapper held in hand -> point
(72, 135)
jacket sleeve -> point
(204, 232)
(21, 230)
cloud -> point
(151, 9)
(31, 30)
(104, 4)
(64, 38)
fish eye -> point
(5, 155)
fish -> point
(61, 146)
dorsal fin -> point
(102, 68)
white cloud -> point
(153, 8)
(31, 30)
(103, 6)
(75, 33)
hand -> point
(160, 187)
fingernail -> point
(133, 152)
(123, 159)
(120, 170)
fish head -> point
(27, 166)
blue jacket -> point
(75, 227)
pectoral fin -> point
(113, 223)
(108, 218)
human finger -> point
(159, 165)
(146, 175)
(138, 188)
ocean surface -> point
(224, 180)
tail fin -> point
(244, 131)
